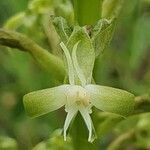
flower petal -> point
(43, 101)
(111, 99)
(88, 121)
(71, 114)
(76, 65)
(69, 63)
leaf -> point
(84, 51)
(102, 35)
(7, 143)
(55, 142)
(40, 146)
(62, 28)
(111, 99)
(43, 101)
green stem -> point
(87, 12)
(46, 60)
(79, 133)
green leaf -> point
(84, 51)
(87, 12)
(111, 8)
(111, 99)
(102, 35)
(7, 143)
(40, 146)
(56, 141)
(43, 101)
(62, 28)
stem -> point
(87, 12)
(80, 135)
(53, 39)
(46, 60)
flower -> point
(78, 96)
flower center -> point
(78, 95)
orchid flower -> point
(79, 95)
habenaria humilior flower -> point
(80, 95)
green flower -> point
(79, 95)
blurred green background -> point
(125, 64)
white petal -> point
(76, 65)
(69, 63)
(88, 121)
(71, 114)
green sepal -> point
(62, 28)
(102, 35)
(43, 101)
(111, 100)
(85, 51)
